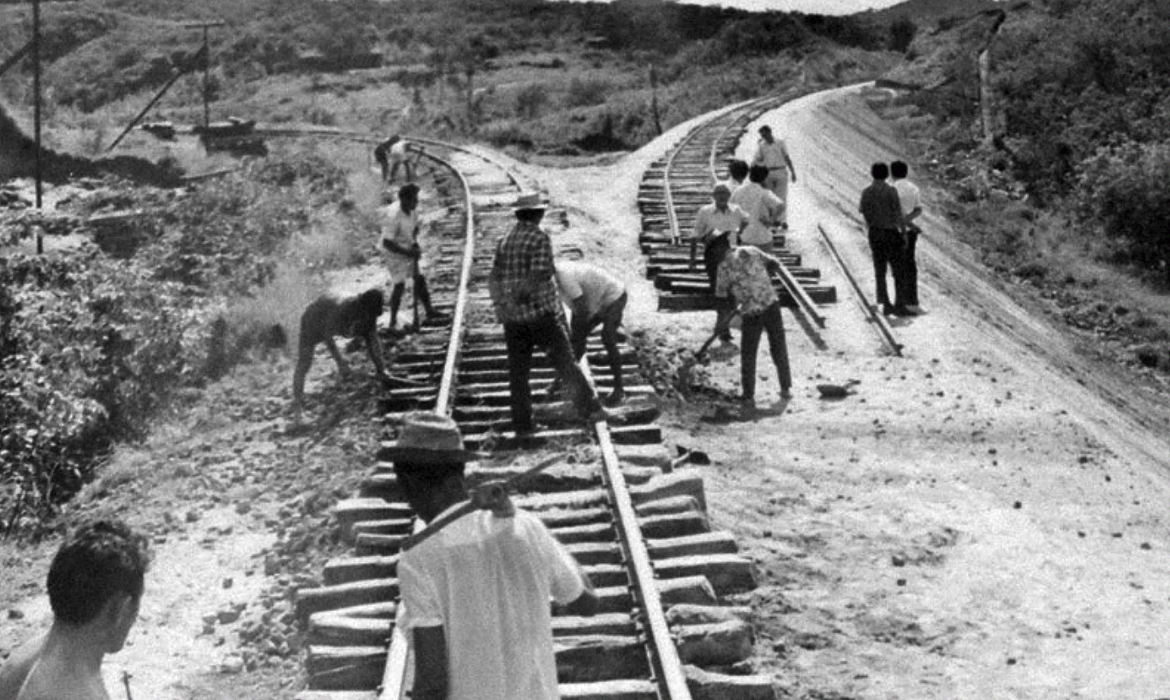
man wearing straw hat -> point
(475, 594)
(524, 293)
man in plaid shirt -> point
(524, 293)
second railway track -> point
(637, 525)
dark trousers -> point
(610, 319)
(911, 265)
(889, 252)
(768, 320)
(547, 332)
(713, 254)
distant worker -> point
(95, 586)
(595, 298)
(773, 155)
(349, 313)
(475, 595)
(746, 274)
(882, 211)
(763, 207)
(400, 232)
(910, 198)
(718, 226)
(524, 294)
(393, 153)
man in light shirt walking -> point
(718, 226)
(773, 155)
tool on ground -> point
(703, 348)
(687, 455)
(126, 682)
(490, 495)
(837, 391)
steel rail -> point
(665, 664)
(398, 654)
(884, 329)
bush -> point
(1125, 189)
(585, 92)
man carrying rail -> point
(475, 595)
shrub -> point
(531, 101)
(1125, 189)
(586, 92)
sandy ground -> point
(971, 523)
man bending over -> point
(343, 312)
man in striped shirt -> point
(524, 293)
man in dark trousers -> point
(402, 252)
(745, 274)
(524, 294)
(475, 595)
(883, 217)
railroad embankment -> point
(18, 159)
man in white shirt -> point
(718, 226)
(400, 229)
(911, 200)
(763, 207)
(475, 595)
(773, 155)
(595, 298)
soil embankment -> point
(18, 159)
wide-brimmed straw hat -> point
(429, 438)
(530, 201)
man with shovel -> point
(475, 593)
(745, 273)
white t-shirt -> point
(398, 227)
(487, 581)
(710, 219)
(771, 155)
(599, 288)
(398, 151)
(763, 208)
(908, 194)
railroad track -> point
(671, 193)
(637, 525)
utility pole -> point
(206, 65)
(36, 57)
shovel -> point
(703, 348)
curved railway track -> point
(636, 524)
(672, 191)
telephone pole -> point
(36, 58)
(206, 65)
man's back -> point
(487, 582)
(597, 287)
(39, 671)
(880, 206)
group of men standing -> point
(889, 210)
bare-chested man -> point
(95, 585)
(351, 313)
